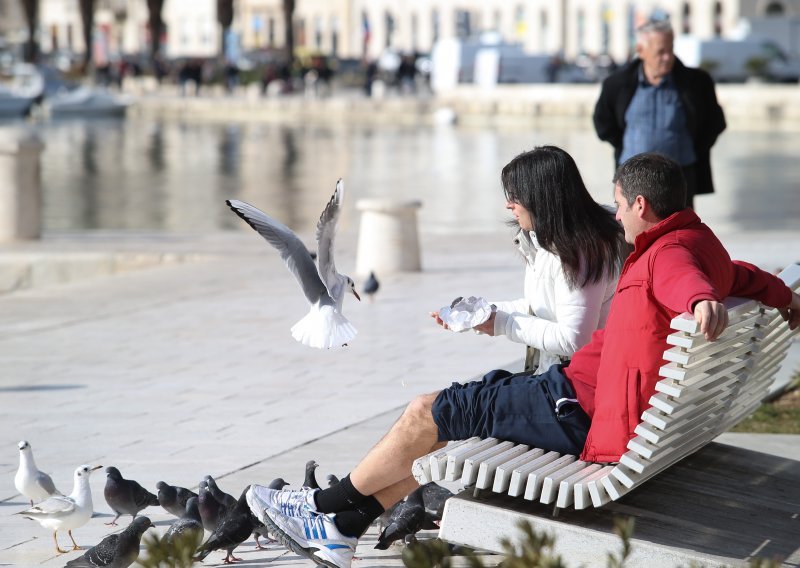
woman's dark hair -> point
(567, 221)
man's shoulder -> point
(622, 76)
(691, 74)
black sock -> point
(340, 497)
(355, 522)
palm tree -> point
(31, 8)
(87, 18)
(288, 18)
(225, 19)
(156, 25)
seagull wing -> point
(292, 250)
(326, 229)
(46, 482)
(54, 506)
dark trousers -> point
(537, 410)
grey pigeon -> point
(332, 479)
(227, 500)
(434, 497)
(173, 499)
(125, 496)
(310, 479)
(118, 550)
(371, 286)
(277, 483)
(324, 326)
(231, 531)
(210, 509)
(189, 526)
(34, 484)
(408, 518)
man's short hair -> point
(659, 26)
(655, 177)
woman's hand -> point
(486, 327)
(435, 316)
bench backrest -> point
(707, 387)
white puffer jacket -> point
(563, 320)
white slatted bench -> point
(707, 387)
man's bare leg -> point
(391, 495)
(387, 466)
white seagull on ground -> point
(324, 326)
(32, 483)
(66, 513)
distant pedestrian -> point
(657, 104)
(370, 73)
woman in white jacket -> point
(573, 249)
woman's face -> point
(522, 215)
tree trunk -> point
(225, 19)
(288, 19)
(31, 9)
(156, 25)
(87, 17)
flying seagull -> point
(118, 550)
(324, 326)
(32, 483)
(66, 513)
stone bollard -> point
(387, 236)
(20, 187)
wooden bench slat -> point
(472, 464)
(566, 489)
(551, 483)
(503, 472)
(457, 457)
(516, 485)
(486, 472)
(582, 490)
(438, 459)
(532, 485)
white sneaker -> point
(314, 536)
(293, 503)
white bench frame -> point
(707, 388)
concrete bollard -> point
(387, 236)
(20, 187)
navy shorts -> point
(537, 410)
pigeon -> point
(371, 286)
(32, 483)
(125, 496)
(310, 480)
(324, 327)
(173, 499)
(277, 483)
(232, 531)
(408, 518)
(58, 512)
(332, 479)
(227, 500)
(210, 509)
(434, 497)
(189, 526)
(118, 550)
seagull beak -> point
(96, 467)
(356, 295)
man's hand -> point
(791, 313)
(712, 317)
(486, 327)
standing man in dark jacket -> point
(656, 104)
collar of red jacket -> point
(679, 220)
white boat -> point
(87, 101)
(18, 96)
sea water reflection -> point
(166, 176)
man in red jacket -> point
(677, 265)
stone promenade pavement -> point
(174, 372)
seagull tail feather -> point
(323, 328)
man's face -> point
(627, 216)
(656, 54)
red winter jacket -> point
(674, 265)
